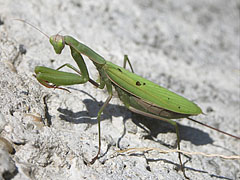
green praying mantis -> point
(138, 94)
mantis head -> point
(57, 42)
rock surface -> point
(188, 46)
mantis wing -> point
(149, 91)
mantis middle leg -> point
(109, 89)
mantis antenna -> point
(33, 27)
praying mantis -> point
(138, 94)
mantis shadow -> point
(90, 114)
(187, 133)
(152, 126)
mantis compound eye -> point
(57, 42)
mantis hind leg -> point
(125, 63)
(168, 121)
(178, 146)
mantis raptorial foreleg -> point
(77, 71)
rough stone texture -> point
(188, 46)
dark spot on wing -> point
(179, 107)
(138, 83)
(144, 83)
(119, 69)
